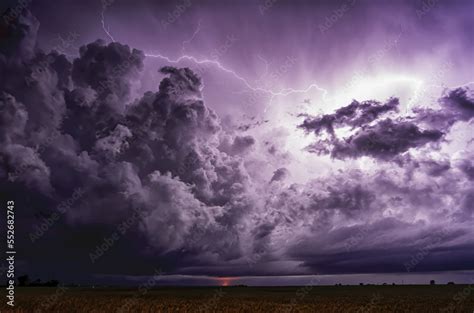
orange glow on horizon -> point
(225, 281)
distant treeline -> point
(24, 281)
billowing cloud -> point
(385, 137)
(215, 199)
(354, 115)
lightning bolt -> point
(196, 31)
(217, 64)
(220, 66)
(104, 27)
(251, 87)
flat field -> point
(409, 298)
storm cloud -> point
(217, 199)
(386, 137)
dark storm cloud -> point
(69, 125)
(435, 168)
(74, 124)
(239, 144)
(280, 174)
(386, 138)
(359, 197)
(79, 124)
(381, 261)
(108, 69)
(20, 38)
(457, 105)
(381, 244)
(426, 252)
(467, 166)
(13, 117)
(354, 115)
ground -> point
(412, 298)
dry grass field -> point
(438, 298)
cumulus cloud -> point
(213, 203)
(457, 105)
(385, 137)
(280, 174)
(237, 144)
(384, 140)
(76, 124)
(354, 115)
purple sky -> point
(261, 142)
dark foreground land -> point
(438, 298)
